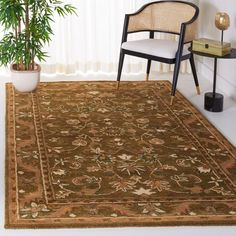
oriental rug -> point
(83, 154)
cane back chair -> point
(174, 17)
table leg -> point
(214, 78)
(214, 101)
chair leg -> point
(192, 63)
(120, 66)
(175, 79)
(148, 69)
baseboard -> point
(222, 84)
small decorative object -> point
(212, 47)
(222, 22)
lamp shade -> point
(222, 21)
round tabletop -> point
(232, 54)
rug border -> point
(6, 156)
(81, 225)
(119, 225)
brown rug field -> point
(82, 154)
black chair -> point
(173, 17)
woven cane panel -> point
(191, 31)
(161, 16)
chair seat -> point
(155, 47)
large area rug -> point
(82, 154)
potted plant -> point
(27, 27)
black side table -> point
(214, 101)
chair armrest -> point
(191, 28)
(187, 34)
(125, 29)
(190, 31)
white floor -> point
(224, 122)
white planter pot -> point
(25, 81)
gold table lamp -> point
(222, 22)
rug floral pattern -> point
(83, 154)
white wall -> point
(226, 68)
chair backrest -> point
(163, 16)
